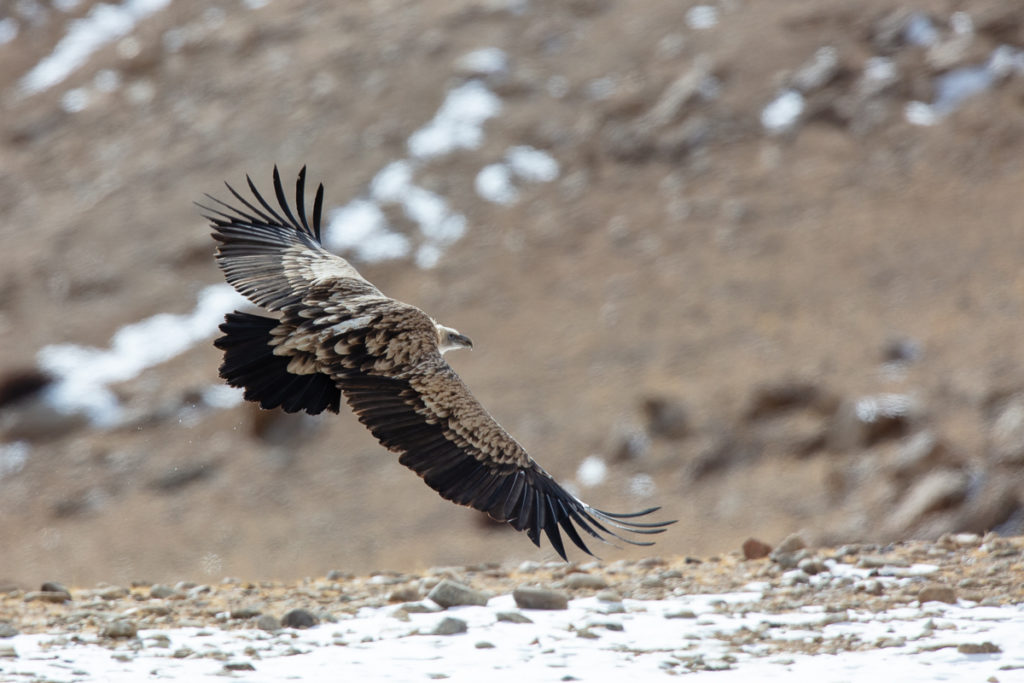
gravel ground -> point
(931, 606)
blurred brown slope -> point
(682, 253)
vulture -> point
(330, 333)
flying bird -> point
(333, 334)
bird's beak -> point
(463, 340)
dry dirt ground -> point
(695, 298)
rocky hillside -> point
(758, 263)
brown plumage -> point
(336, 334)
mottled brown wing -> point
(429, 417)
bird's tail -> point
(250, 364)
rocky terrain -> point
(757, 263)
(915, 611)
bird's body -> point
(333, 333)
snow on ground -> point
(590, 641)
(83, 374)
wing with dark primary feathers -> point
(337, 334)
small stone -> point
(667, 418)
(47, 596)
(407, 593)
(420, 608)
(239, 666)
(8, 652)
(681, 614)
(268, 622)
(591, 581)
(966, 540)
(811, 566)
(484, 645)
(245, 612)
(450, 626)
(754, 549)
(120, 628)
(985, 648)
(182, 653)
(794, 577)
(450, 593)
(879, 561)
(608, 596)
(937, 593)
(539, 598)
(160, 591)
(513, 618)
(586, 633)
(791, 544)
(299, 618)
(7, 630)
(528, 567)
(113, 593)
(338, 575)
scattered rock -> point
(48, 596)
(871, 419)
(239, 666)
(120, 629)
(513, 618)
(407, 593)
(299, 618)
(935, 491)
(112, 592)
(754, 549)
(681, 614)
(450, 593)
(54, 587)
(7, 630)
(937, 593)
(268, 622)
(1006, 434)
(160, 591)
(667, 417)
(247, 612)
(768, 400)
(591, 581)
(817, 72)
(985, 648)
(483, 645)
(449, 626)
(539, 598)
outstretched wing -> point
(272, 257)
(429, 417)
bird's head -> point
(449, 339)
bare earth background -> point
(813, 329)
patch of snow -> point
(104, 23)
(83, 374)
(730, 641)
(954, 87)
(531, 164)
(75, 100)
(8, 30)
(592, 472)
(13, 457)
(458, 123)
(700, 17)
(783, 112)
(494, 183)
(222, 396)
(485, 61)
(920, 31)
